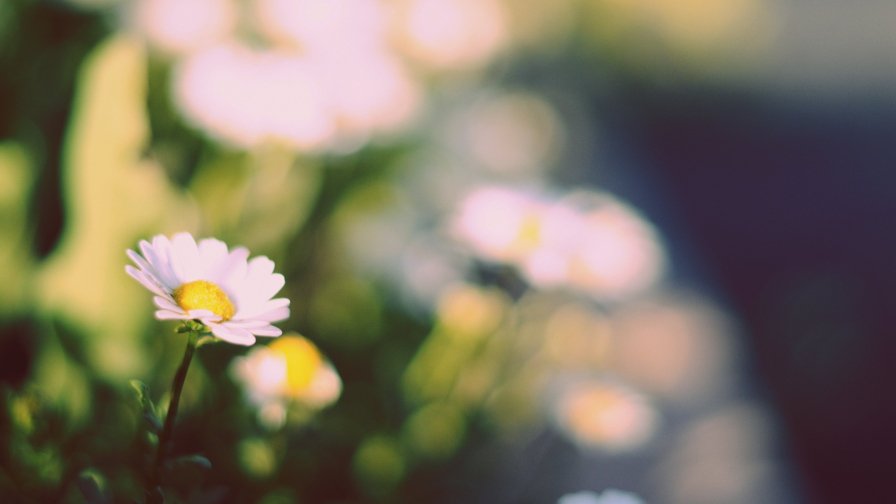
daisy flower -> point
(289, 371)
(206, 282)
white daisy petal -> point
(152, 261)
(232, 334)
(269, 331)
(251, 312)
(261, 266)
(247, 324)
(185, 258)
(169, 315)
(214, 282)
(149, 253)
(275, 315)
(234, 277)
(272, 286)
(256, 283)
(159, 255)
(144, 280)
(140, 261)
(212, 253)
(231, 269)
(166, 303)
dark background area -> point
(789, 208)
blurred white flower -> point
(500, 224)
(304, 100)
(606, 497)
(323, 25)
(589, 242)
(290, 369)
(175, 26)
(599, 414)
(388, 99)
(247, 97)
(211, 284)
(451, 34)
(619, 252)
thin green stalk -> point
(154, 494)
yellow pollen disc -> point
(203, 295)
(303, 360)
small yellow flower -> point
(208, 282)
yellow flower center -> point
(529, 234)
(303, 360)
(204, 295)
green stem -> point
(154, 493)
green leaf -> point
(140, 390)
(195, 461)
(150, 413)
(187, 472)
(91, 483)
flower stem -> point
(154, 493)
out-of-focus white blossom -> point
(312, 75)
(599, 414)
(606, 497)
(323, 26)
(499, 223)
(176, 26)
(619, 253)
(248, 97)
(451, 34)
(289, 370)
(367, 91)
(589, 242)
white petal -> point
(269, 331)
(231, 334)
(275, 315)
(252, 311)
(169, 315)
(185, 258)
(159, 256)
(247, 324)
(233, 273)
(165, 303)
(140, 262)
(261, 266)
(256, 285)
(272, 285)
(212, 253)
(145, 280)
(149, 254)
